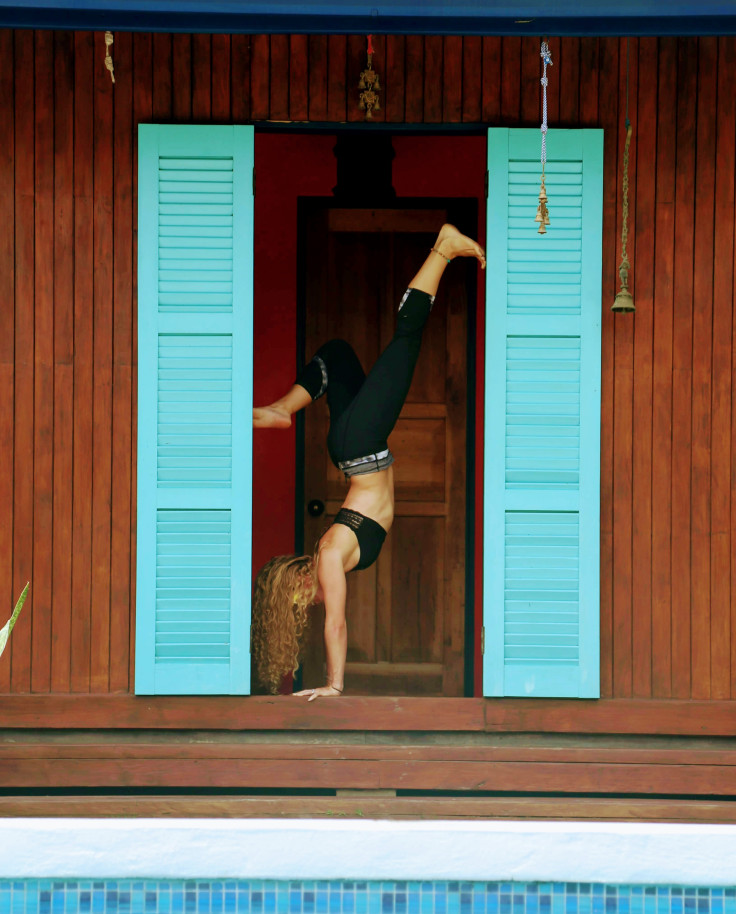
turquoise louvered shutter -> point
(195, 243)
(542, 417)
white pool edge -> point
(528, 851)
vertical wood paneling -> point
(181, 77)
(68, 353)
(63, 368)
(317, 78)
(241, 79)
(163, 72)
(278, 109)
(623, 431)
(510, 81)
(472, 50)
(7, 326)
(336, 74)
(43, 358)
(24, 344)
(608, 107)
(702, 359)
(687, 75)
(645, 150)
(102, 376)
(122, 358)
(662, 581)
(723, 263)
(357, 46)
(201, 77)
(414, 91)
(298, 78)
(83, 344)
(452, 79)
(491, 80)
(395, 82)
(221, 78)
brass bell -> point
(623, 303)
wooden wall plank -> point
(491, 80)
(241, 78)
(531, 89)
(278, 109)
(642, 201)
(181, 77)
(702, 357)
(299, 65)
(569, 77)
(221, 78)
(510, 81)
(201, 77)
(7, 325)
(163, 74)
(723, 269)
(122, 359)
(608, 105)
(336, 76)
(662, 580)
(63, 359)
(20, 647)
(43, 359)
(472, 51)
(589, 76)
(357, 57)
(623, 431)
(260, 77)
(102, 374)
(452, 79)
(83, 343)
(433, 67)
(395, 82)
(317, 78)
(687, 75)
(414, 79)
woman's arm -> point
(334, 587)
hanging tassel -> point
(108, 58)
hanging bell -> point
(623, 302)
(361, 83)
(377, 84)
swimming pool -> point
(302, 866)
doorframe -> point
(463, 212)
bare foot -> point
(270, 417)
(451, 244)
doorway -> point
(406, 614)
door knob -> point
(316, 508)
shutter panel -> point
(542, 417)
(195, 351)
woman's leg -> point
(334, 369)
(372, 415)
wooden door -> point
(406, 613)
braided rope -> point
(623, 270)
(547, 62)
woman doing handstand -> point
(363, 411)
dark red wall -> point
(287, 167)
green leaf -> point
(8, 628)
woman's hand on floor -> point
(311, 694)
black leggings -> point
(364, 408)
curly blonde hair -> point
(283, 590)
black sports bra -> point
(369, 532)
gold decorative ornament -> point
(369, 83)
(542, 216)
(108, 58)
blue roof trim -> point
(429, 17)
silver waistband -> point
(371, 463)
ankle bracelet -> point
(435, 251)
